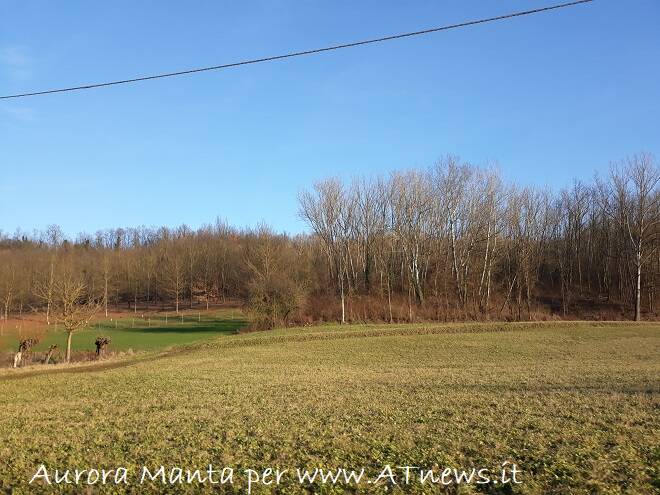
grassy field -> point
(575, 407)
(143, 331)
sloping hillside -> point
(573, 406)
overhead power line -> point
(301, 53)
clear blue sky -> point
(548, 97)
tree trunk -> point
(105, 296)
(49, 355)
(508, 295)
(343, 305)
(7, 304)
(638, 288)
(389, 298)
(67, 358)
(484, 270)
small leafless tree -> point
(73, 306)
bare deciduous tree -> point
(73, 305)
(631, 198)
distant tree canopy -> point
(454, 241)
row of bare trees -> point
(454, 241)
(458, 235)
(123, 267)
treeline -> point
(453, 241)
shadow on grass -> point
(221, 327)
(142, 337)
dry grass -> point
(575, 406)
